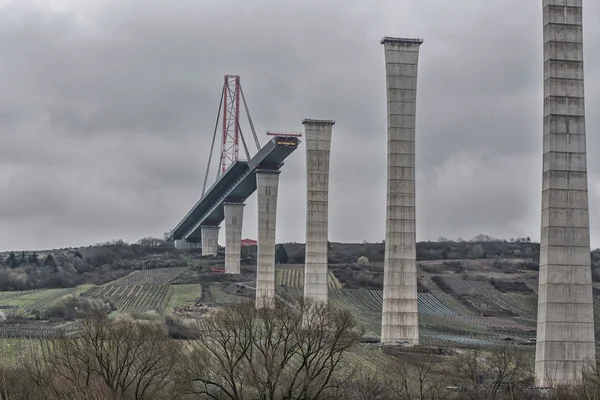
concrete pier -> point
(185, 245)
(267, 183)
(400, 322)
(181, 245)
(317, 134)
(210, 240)
(234, 215)
(565, 329)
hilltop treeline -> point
(70, 267)
(481, 246)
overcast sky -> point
(108, 107)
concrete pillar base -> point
(210, 240)
(317, 134)
(267, 183)
(185, 245)
(181, 245)
(234, 215)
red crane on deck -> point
(231, 132)
(231, 127)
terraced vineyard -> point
(597, 308)
(294, 277)
(147, 290)
(428, 304)
(365, 305)
(482, 295)
(468, 287)
(362, 304)
(158, 276)
(19, 351)
(134, 298)
(439, 320)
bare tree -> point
(326, 336)
(505, 369)
(589, 388)
(418, 374)
(482, 238)
(118, 359)
(216, 365)
(151, 242)
(279, 352)
(367, 385)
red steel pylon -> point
(231, 128)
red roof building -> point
(249, 242)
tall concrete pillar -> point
(267, 183)
(399, 323)
(234, 215)
(210, 240)
(317, 134)
(565, 328)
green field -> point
(216, 296)
(28, 298)
(10, 294)
(36, 300)
(184, 295)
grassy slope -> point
(184, 295)
(32, 300)
(29, 298)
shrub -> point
(362, 261)
(179, 329)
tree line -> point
(71, 267)
(481, 246)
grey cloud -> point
(110, 115)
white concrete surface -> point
(210, 240)
(181, 244)
(267, 183)
(565, 326)
(234, 216)
(400, 322)
(317, 135)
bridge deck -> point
(236, 184)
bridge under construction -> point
(236, 181)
